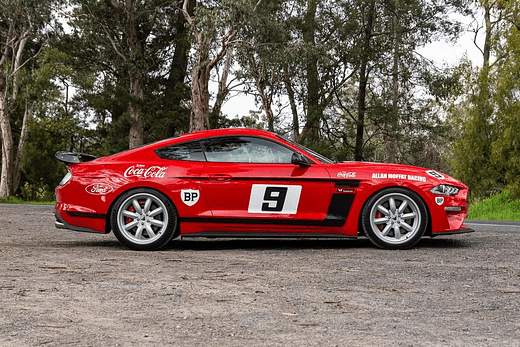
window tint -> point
(243, 149)
(191, 151)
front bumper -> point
(463, 230)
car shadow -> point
(216, 244)
(206, 244)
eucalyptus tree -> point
(214, 26)
(386, 102)
(299, 52)
(24, 29)
(123, 28)
(480, 112)
(505, 151)
(261, 54)
(133, 56)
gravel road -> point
(63, 288)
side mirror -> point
(298, 159)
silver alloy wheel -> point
(395, 218)
(142, 218)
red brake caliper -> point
(379, 215)
(128, 219)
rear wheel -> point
(395, 218)
(144, 219)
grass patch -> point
(498, 207)
(15, 200)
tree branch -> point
(226, 43)
(257, 4)
(189, 19)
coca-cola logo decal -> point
(141, 171)
(344, 174)
(99, 189)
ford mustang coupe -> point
(252, 183)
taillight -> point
(67, 178)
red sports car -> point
(252, 183)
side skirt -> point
(266, 235)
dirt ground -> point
(63, 288)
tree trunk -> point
(199, 118)
(267, 101)
(135, 137)
(487, 40)
(175, 86)
(136, 47)
(223, 89)
(363, 81)
(292, 101)
(314, 115)
(266, 97)
(7, 144)
(13, 44)
(21, 144)
(391, 145)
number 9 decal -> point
(274, 199)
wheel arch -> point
(108, 223)
(428, 212)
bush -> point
(37, 192)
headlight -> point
(65, 179)
(445, 189)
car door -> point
(251, 180)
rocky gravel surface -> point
(63, 288)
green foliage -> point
(506, 147)
(498, 207)
(471, 152)
(45, 137)
(82, 85)
(15, 200)
(37, 192)
(486, 155)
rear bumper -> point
(59, 223)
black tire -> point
(394, 218)
(144, 219)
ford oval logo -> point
(99, 189)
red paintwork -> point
(96, 184)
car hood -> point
(398, 172)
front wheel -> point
(144, 219)
(394, 218)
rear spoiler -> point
(73, 158)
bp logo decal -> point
(439, 200)
(190, 196)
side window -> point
(191, 151)
(226, 150)
(243, 149)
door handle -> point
(220, 177)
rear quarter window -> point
(191, 151)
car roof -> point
(225, 132)
(193, 136)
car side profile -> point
(252, 183)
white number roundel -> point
(272, 198)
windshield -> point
(313, 154)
